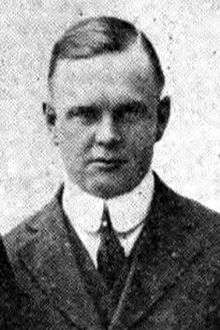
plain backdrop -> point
(186, 34)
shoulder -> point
(201, 219)
(186, 220)
(203, 225)
(186, 210)
(22, 234)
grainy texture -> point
(172, 282)
(186, 35)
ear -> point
(163, 114)
(50, 115)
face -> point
(107, 120)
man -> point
(116, 248)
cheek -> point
(141, 137)
(71, 130)
(72, 139)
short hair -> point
(100, 35)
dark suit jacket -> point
(17, 309)
(7, 284)
(173, 282)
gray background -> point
(186, 35)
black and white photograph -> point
(110, 165)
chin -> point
(103, 188)
(107, 188)
(104, 191)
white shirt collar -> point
(127, 211)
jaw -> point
(103, 185)
(111, 184)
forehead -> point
(110, 75)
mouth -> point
(107, 163)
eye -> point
(86, 114)
(132, 112)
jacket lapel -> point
(49, 257)
(163, 252)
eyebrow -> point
(80, 108)
(94, 106)
(131, 103)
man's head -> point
(105, 109)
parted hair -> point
(99, 35)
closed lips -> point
(108, 161)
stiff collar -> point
(127, 211)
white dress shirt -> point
(127, 213)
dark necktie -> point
(110, 256)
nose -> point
(107, 132)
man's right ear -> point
(50, 115)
